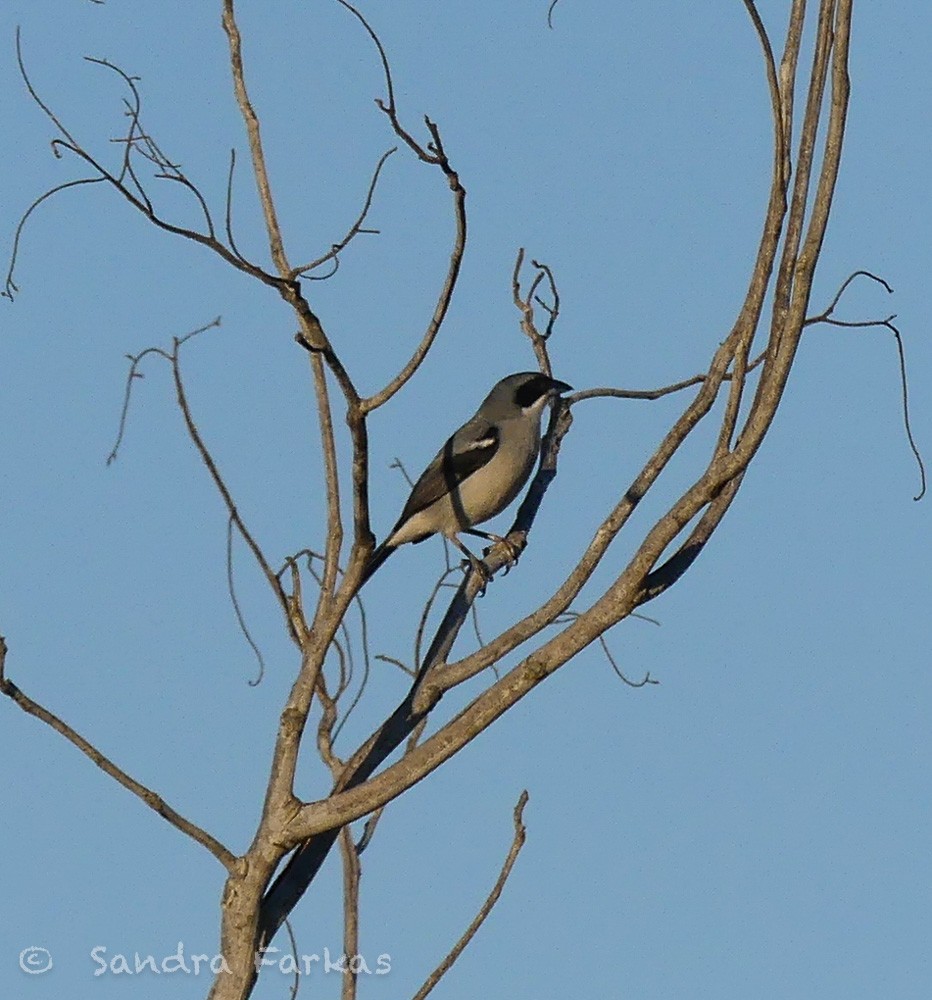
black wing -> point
(468, 450)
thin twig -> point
(568, 616)
(228, 211)
(171, 171)
(224, 491)
(10, 286)
(385, 658)
(137, 199)
(238, 611)
(134, 373)
(526, 307)
(517, 843)
(826, 316)
(296, 984)
(435, 155)
(150, 798)
(354, 230)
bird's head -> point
(527, 392)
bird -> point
(480, 469)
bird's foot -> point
(479, 567)
(514, 551)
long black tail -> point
(375, 561)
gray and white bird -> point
(480, 469)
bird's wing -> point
(470, 448)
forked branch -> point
(432, 154)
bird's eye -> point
(531, 391)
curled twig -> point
(10, 286)
(570, 616)
(231, 589)
(827, 317)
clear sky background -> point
(756, 825)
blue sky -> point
(756, 825)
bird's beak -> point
(559, 387)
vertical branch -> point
(251, 121)
(794, 228)
(332, 478)
(352, 871)
(834, 138)
(312, 336)
(781, 159)
(794, 34)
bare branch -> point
(516, 844)
(10, 286)
(231, 589)
(786, 273)
(827, 317)
(331, 478)
(150, 798)
(354, 230)
(137, 199)
(365, 783)
(352, 873)
(296, 984)
(134, 373)
(251, 121)
(295, 626)
(526, 307)
(435, 155)
(780, 153)
(569, 616)
(788, 63)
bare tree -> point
(316, 590)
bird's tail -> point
(375, 561)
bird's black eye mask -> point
(532, 390)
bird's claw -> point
(484, 572)
(514, 552)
